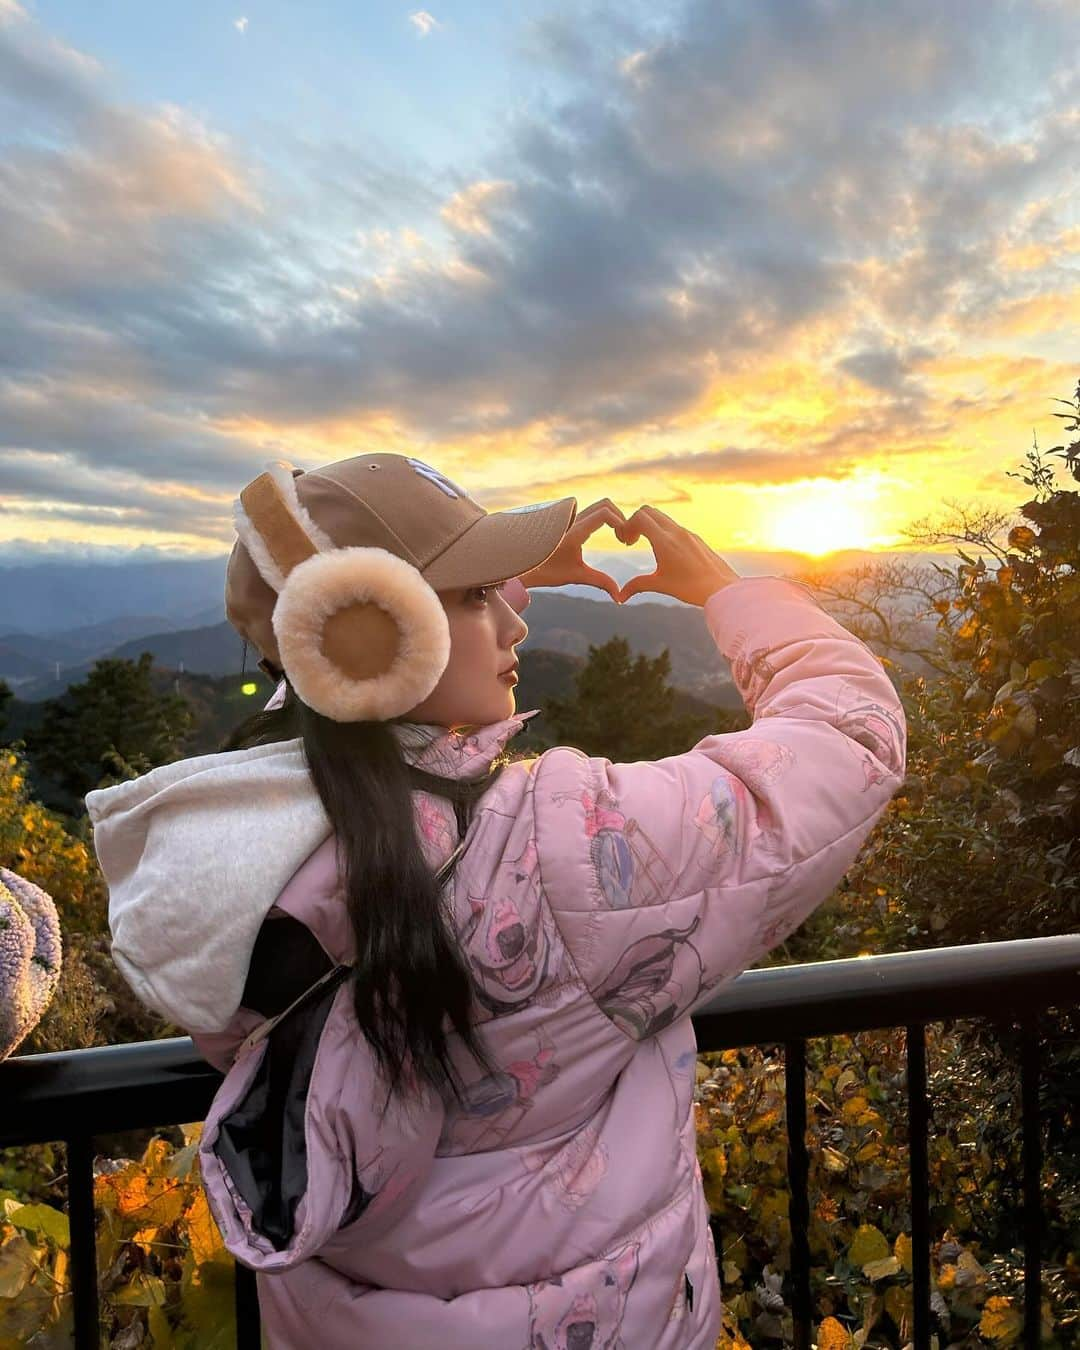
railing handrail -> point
(862, 993)
(113, 1087)
(75, 1094)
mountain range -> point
(173, 609)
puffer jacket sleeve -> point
(668, 878)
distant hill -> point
(557, 623)
(27, 656)
(57, 597)
(182, 623)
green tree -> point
(625, 709)
(112, 727)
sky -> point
(797, 272)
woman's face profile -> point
(484, 630)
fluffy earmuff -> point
(361, 634)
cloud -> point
(467, 211)
(697, 202)
(241, 24)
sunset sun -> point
(821, 525)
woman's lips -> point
(510, 676)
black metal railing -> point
(74, 1095)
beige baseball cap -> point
(401, 504)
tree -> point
(5, 698)
(111, 727)
(626, 710)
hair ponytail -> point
(410, 976)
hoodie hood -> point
(195, 853)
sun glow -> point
(820, 524)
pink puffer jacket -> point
(599, 905)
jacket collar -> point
(464, 752)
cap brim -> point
(502, 544)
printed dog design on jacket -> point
(584, 1309)
(510, 939)
(640, 993)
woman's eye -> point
(482, 591)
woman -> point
(458, 1114)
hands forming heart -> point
(566, 565)
(686, 567)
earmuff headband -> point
(281, 532)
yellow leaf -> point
(834, 1160)
(203, 1234)
(882, 1269)
(968, 1271)
(162, 1335)
(715, 1161)
(833, 1335)
(144, 1291)
(22, 1317)
(16, 1266)
(902, 1251)
(765, 1121)
(854, 1106)
(150, 1201)
(768, 1150)
(868, 1244)
(156, 1155)
(145, 1238)
(1000, 1321)
(898, 1304)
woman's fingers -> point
(645, 582)
(647, 521)
(590, 576)
(587, 522)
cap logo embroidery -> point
(439, 479)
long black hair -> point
(410, 974)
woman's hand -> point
(566, 565)
(686, 567)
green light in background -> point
(249, 688)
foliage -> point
(860, 1220)
(164, 1276)
(5, 699)
(113, 726)
(625, 709)
(93, 1004)
(43, 847)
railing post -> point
(84, 1283)
(799, 1201)
(248, 1328)
(1032, 1150)
(918, 1123)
